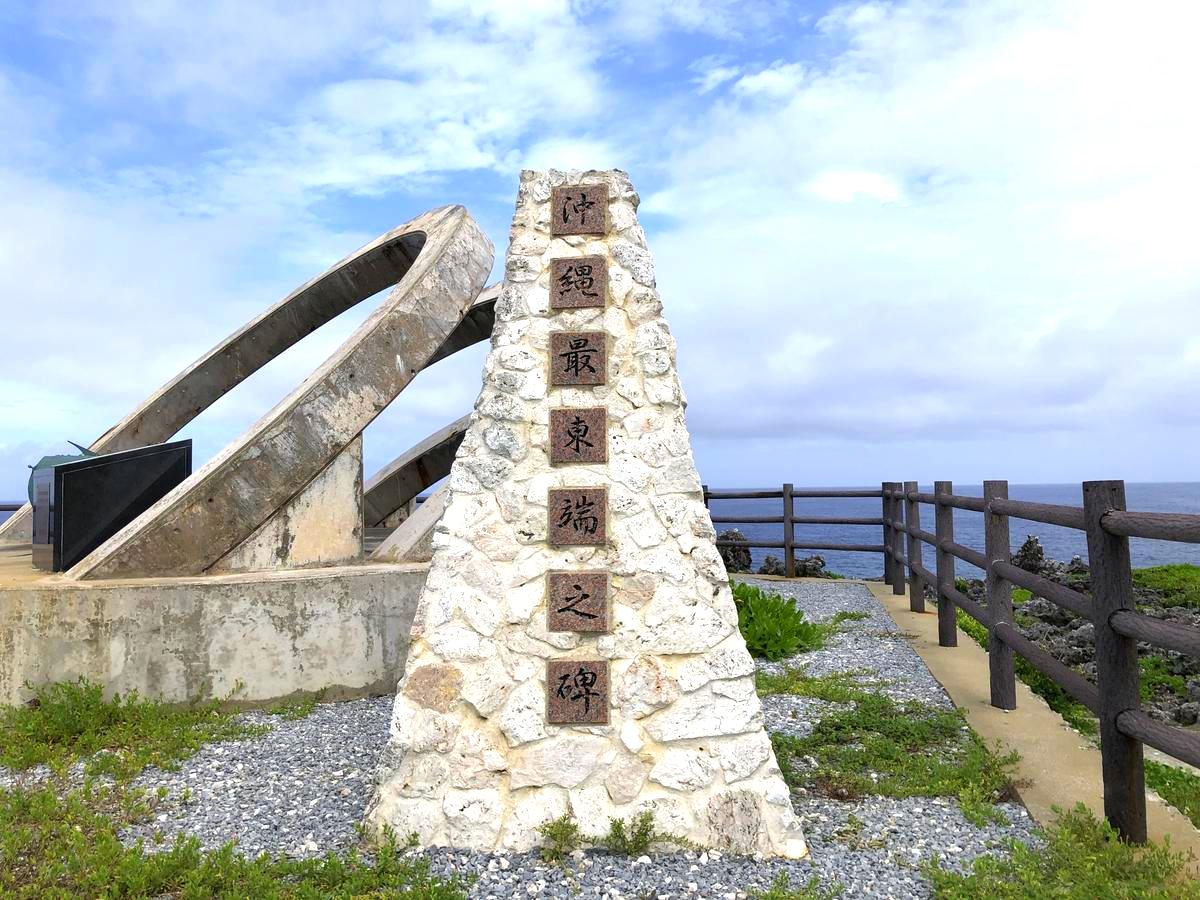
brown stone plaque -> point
(577, 601)
(579, 209)
(578, 358)
(578, 435)
(577, 516)
(578, 282)
(577, 691)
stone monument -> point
(575, 649)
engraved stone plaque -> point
(577, 691)
(578, 435)
(577, 601)
(578, 282)
(579, 209)
(577, 516)
(578, 358)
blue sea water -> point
(1059, 543)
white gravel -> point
(301, 790)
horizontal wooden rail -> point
(1184, 745)
(10, 507)
(1050, 513)
(1159, 526)
(1041, 587)
(744, 495)
(966, 554)
(835, 493)
(966, 604)
(829, 520)
(928, 577)
(1064, 676)
(1168, 635)
(853, 548)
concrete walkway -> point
(1059, 766)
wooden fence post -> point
(887, 532)
(944, 528)
(912, 516)
(897, 542)
(999, 599)
(789, 533)
(1117, 674)
(704, 490)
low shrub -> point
(1178, 585)
(773, 627)
(1080, 858)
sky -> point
(909, 240)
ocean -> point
(1059, 543)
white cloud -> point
(845, 187)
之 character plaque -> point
(578, 282)
(578, 435)
(579, 209)
(577, 692)
(577, 516)
(578, 358)
(577, 601)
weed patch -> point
(879, 746)
(294, 710)
(1179, 787)
(70, 721)
(775, 629)
(561, 838)
(1081, 859)
(1178, 585)
(781, 889)
(1073, 712)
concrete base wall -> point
(252, 638)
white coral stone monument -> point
(482, 751)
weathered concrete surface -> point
(344, 630)
(320, 526)
(1058, 766)
(412, 541)
(407, 475)
(235, 492)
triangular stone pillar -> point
(576, 649)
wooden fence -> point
(789, 520)
(1115, 698)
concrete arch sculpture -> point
(440, 261)
(411, 472)
(372, 268)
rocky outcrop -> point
(736, 559)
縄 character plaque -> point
(578, 358)
(577, 601)
(579, 282)
(577, 692)
(578, 435)
(579, 209)
(577, 516)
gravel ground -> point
(301, 789)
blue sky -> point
(830, 190)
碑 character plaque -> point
(578, 435)
(577, 516)
(578, 282)
(579, 209)
(578, 358)
(577, 601)
(577, 692)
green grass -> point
(1179, 585)
(1073, 712)
(1158, 679)
(781, 889)
(1179, 787)
(879, 746)
(58, 842)
(1082, 859)
(71, 721)
(65, 847)
(302, 708)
